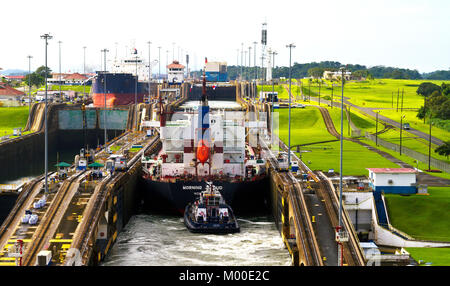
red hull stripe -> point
(114, 99)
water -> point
(156, 240)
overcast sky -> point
(411, 34)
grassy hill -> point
(12, 117)
(307, 126)
(422, 217)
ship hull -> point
(116, 99)
(118, 88)
(243, 197)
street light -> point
(84, 71)
(167, 64)
(104, 92)
(245, 65)
(273, 92)
(290, 46)
(429, 147)
(46, 37)
(135, 91)
(173, 51)
(29, 83)
(60, 77)
(249, 69)
(401, 128)
(376, 128)
(254, 61)
(340, 249)
(159, 62)
(242, 59)
(149, 66)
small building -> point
(336, 75)
(69, 79)
(216, 71)
(393, 180)
(15, 78)
(10, 96)
(175, 72)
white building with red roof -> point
(67, 78)
(10, 96)
(393, 180)
(175, 72)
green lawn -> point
(416, 123)
(375, 93)
(408, 160)
(434, 256)
(412, 142)
(77, 88)
(421, 216)
(282, 92)
(12, 117)
(307, 126)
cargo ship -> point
(121, 88)
(206, 146)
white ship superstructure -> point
(130, 64)
(228, 148)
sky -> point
(410, 34)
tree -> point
(444, 149)
(41, 71)
(427, 88)
(35, 79)
(316, 72)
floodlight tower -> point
(46, 37)
(263, 47)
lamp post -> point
(245, 65)
(60, 77)
(273, 92)
(159, 62)
(84, 72)
(167, 63)
(104, 92)
(29, 83)
(135, 92)
(376, 128)
(149, 66)
(340, 249)
(173, 52)
(46, 37)
(332, 89)
(429, 147)
(249, 67)
(401, 128)
(290, 46)
(242, 58)
(254, 61)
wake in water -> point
(161, 240)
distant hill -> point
(301, 71)
(13, 72)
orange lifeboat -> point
(202, 152)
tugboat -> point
(210, 214)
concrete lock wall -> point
(73, 119)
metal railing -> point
(441, 165)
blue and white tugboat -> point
(210, 213)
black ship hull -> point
(173, 197)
